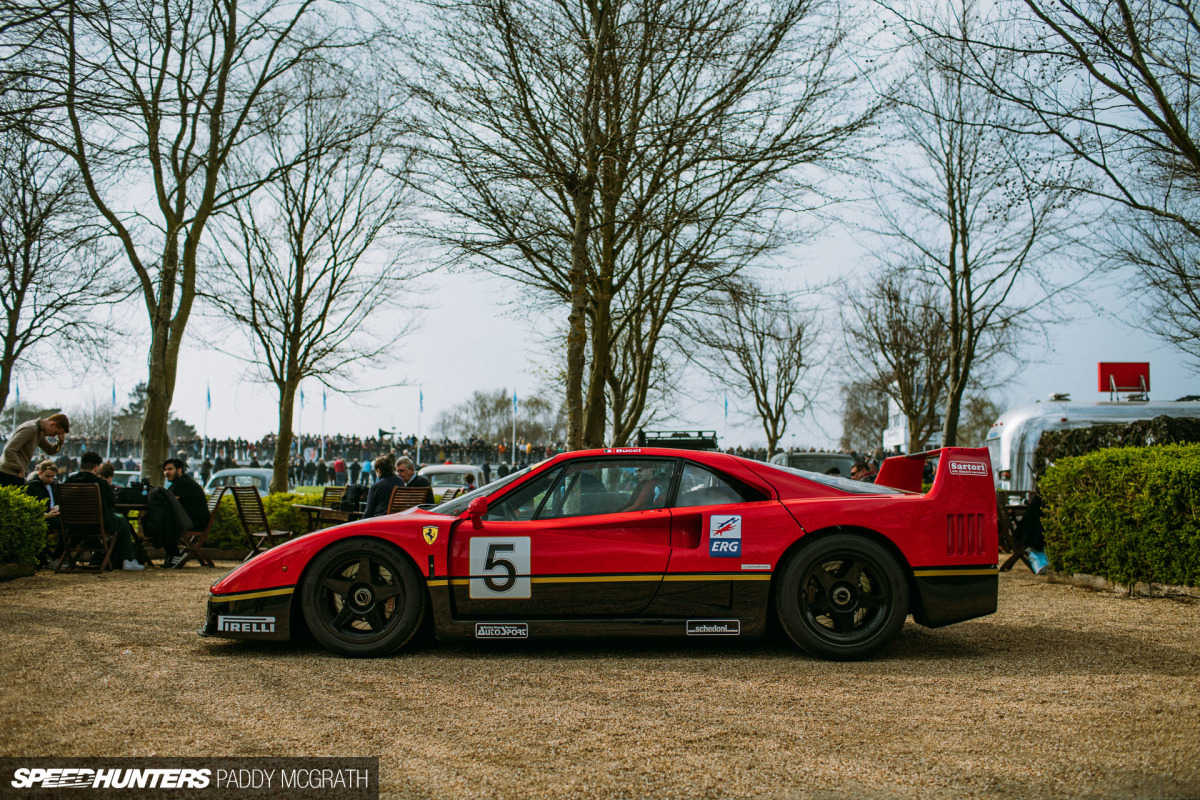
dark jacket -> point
(108, 498)
(193, 500)
(418, 481)
(35, 488)
(381, 492)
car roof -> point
(243, 471)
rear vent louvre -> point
(964, 535)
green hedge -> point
(22, 527)
(227, 533)
(1127, 514)
(1054, 446)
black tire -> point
(842, 597)
(366, 617)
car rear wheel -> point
(842, 597)
(363, 597)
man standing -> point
(193, 500)
(28, 436)
(123, 552)
(406, 470)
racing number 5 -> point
(491, 563)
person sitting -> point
(194, 502)
(118, 526)
(469, 483)
(861, 471)
(44, 486)
(381, 490)
(645, 493)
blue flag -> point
(324, 401)
(114, 400)
(726, 406)
(301, 398)
(421, 400)
(207, 392)
(514, 401)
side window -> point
(522, 504)
(701, 487)
(609, 487)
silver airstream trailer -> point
(1014, 437)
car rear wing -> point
(969, 467)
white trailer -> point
(1014, 437)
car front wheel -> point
(842, 597)
(363, 597)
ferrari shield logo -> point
(430, 533)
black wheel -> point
(362, 597)
(842, 597)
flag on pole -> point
(324, 401)
(421, 400)
(726, 406)
(514, 401)
(208, 394)
(301, 398)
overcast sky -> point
(475, 335)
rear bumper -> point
(261, 615)
(945, 595)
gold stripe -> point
(600, 579)
(441, 582)
(721, 576)
(229, 598)
(929, 573)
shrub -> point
(22, 527)
(227, 533)
(1054, 446)
(1127, 514)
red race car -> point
(641, 542)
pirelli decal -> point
(238, 596)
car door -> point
(724, 537)
(568, 543)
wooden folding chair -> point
(450, 494)
(191, 542)
(403, 498)
(331, 498)
(84, 528)
(1007, 523)
(254, 520)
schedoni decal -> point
(714, 627)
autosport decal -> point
(725, 536)
(507, 630)
(714, 627)
(977, 468)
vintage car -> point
(641, 542)
(443, 477)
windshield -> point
(459, 504)
(843, 484)
(447, 478)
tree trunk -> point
(283, 438)
(577, 321)
(595, 409)
(160, 386)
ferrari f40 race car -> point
(641, 542)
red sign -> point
(1124, 376)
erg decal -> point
(725, 536)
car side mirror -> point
(478, 507)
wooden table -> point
(315, 512)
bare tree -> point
(895, 334)
(1115, 85)
(151, 100)
(764, 344)
(307, 274)
(53, 273)
(616, 153)
(974, 216)
(864, 414)
(488, 415)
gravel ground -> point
(1062, 693)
